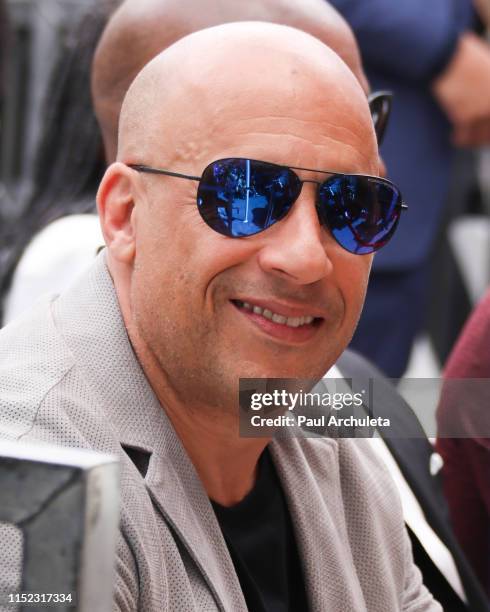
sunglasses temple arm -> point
(150, 170)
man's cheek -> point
(354, 298)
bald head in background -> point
(140, 29)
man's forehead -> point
(225, 57)
(243, 80)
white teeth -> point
(277, 318)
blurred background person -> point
(439, 72)
(4, 40)
(465, 404)
(68, 163)
(4, 53)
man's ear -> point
(115, 202)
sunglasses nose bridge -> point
(302, 182)
(316, 203)
(296, 194)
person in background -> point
(466, 470)
(439, 72)
(4, 40)
(4, 52)
(68, 165)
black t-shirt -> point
(260, 538)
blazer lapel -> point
(323, 544)
(178, 493)
(104, 353)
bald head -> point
(141, 29)
(213, 91)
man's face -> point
(193, 290)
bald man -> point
(226, 258)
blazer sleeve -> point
(409, 39)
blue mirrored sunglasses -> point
(240, 197)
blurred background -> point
(35, 37)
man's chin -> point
(290, 371)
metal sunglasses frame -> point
(380, 105)
(151, 170)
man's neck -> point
(225, 462)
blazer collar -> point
(310, 477)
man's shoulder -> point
(33, 355)
(56, 255)
(359, 475)
(359, 466)
(45, 398)
(40, 386)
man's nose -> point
(296, 248)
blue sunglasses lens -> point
(361, 212)
(242, 197)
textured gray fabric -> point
(11, 547)
(68, 376)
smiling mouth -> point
(293, 322)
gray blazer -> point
(68, 376)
